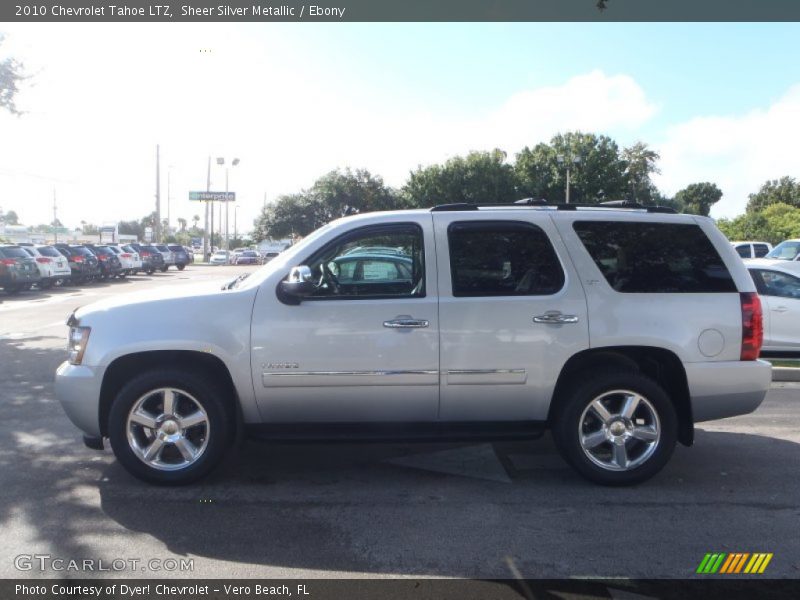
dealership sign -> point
(213, 196)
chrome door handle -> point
(555, 318)
(406, 323)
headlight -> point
(78, 338)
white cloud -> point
(738, 153)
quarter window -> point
(502, 258)
(655, 257)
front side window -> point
(774, 283)
(641, 257)
(502, 258)
(358, 264)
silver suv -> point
(615, 328)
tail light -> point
(7, 261)
(43, 259)
(752, 326)
(76, 259)
(146, 254)
(125, 255)
(102, 257)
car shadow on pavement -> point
(452, 510)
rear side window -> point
(760, 250)
(639, 257)
(502, 258)
(743, 250)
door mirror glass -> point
(299, 283)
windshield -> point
(785, 251)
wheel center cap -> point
(169, 427)
(617, 428)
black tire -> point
(164, 268)
(215, 401)
(181, 267)
(150, 271)
(46, 284)
(13, 289)
(567, 425)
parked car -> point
(110, 266)
(248, 257)
(268, 256)
(128, 259)
(220, 257)
(787, 250)
(180, 256)
(752, 249)
(189, 253)
(152, 259)
(18, 270)
(52, 265)
(169, 258)
(778, 284)
(617, 329)
(83, 264)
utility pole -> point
(158, 196)
(205, 227)
(227, 239)
(55, 218)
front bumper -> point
(727, 389)
(78, 390)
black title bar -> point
(200, 11)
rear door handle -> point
(555, 318)
(406, 323)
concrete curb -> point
(785, 374)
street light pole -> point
(235, 221)
(568, 160)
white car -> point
(136, 260)
(788, 250)
(220, 257)
(778, 285)
(53, 266)
(126, 260)
(615, 328)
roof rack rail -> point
(541, 203)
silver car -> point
(616, 329)
(169, 256)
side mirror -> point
(299, 283)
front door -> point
(364, 347)
(780, 295)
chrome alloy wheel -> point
(619, 430)
(168, 429)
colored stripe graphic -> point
(733, 563)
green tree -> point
(785, 190)
(337, 194)
(597, 170)
(182, 224)
(479, 177)
(774, 224)
(11, 218)
(640, 164)
(698, 198)
(131, 228)
(11, 74)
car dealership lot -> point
(465, 510)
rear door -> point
(511, 313)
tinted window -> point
(774, 283)
(29, 251)
(81, 250)
(14, 252)
(176, 248)
(49, 251)
(502, 258)
(655, 257)
(743, 250)
(760, 250)
(369, 273)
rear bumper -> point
(78, 390)
(727, 389)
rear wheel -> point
(46, 284)
(12, 289)
(164, 268)
(170, 426)
(181, 267)
(615, 428)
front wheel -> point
(615, 428)
(170, 426)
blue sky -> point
(720, 102)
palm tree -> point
(196, 220)
(182, 223)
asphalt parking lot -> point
(480, 510)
